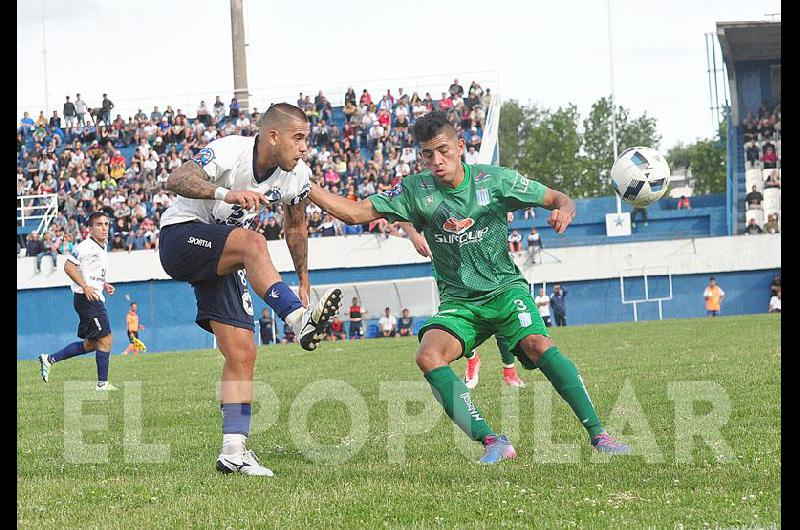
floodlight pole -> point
(613, 107)
(240, 89)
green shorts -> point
(511, 314)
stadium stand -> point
(762, 141)
(356, 150)
(752, 55)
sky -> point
(156, 52)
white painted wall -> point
(684, 256)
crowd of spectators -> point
(80, 158)
(762, 145)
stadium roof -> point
(750, 41)
(747, 41)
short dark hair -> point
(95, 215)
(713, 278)
(279, 112)
(133, 304)
(432, 124)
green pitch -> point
(436, 485)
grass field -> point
(437, 485)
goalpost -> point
(646, 272)
(419, 295)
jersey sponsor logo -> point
(483, 197)
(462, 239)
(457, 226)
(203, 157)
(482, 177)
(199, 242)
(394, 192)
(425, 185)
(240, 217)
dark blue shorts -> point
(94, 322)
(190, 252)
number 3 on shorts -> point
(523, 315)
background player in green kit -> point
(461, 211)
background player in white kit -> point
(543, 303)
(87, 267)
(205, 241)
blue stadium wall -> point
(754, 79)
(707, 218)
(167, 308)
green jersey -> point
(465, 227)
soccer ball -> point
(640, 176)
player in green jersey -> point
(472, 373)
(461, 211)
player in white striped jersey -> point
(205, 241)
(86, 267)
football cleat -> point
(139, 345)
(604, 443)
(106, 387)
(245, 463)
(511, 378)
(45, 365)
(315, 319)
(473, 371)
(497, 448)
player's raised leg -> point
(438, 348)
(239, 349)
(72, 349)
(247, 249)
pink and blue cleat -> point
(604, 443)
(497, 448)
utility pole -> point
(613, 106)
(240, 90)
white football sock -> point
(295, 319)
(233, 444)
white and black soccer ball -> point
(640, 176)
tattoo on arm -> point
(297, 237)
(191, 181)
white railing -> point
(29, 213)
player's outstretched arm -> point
(296, 231)
(190, 181)
(352, 213)
(562, 208)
